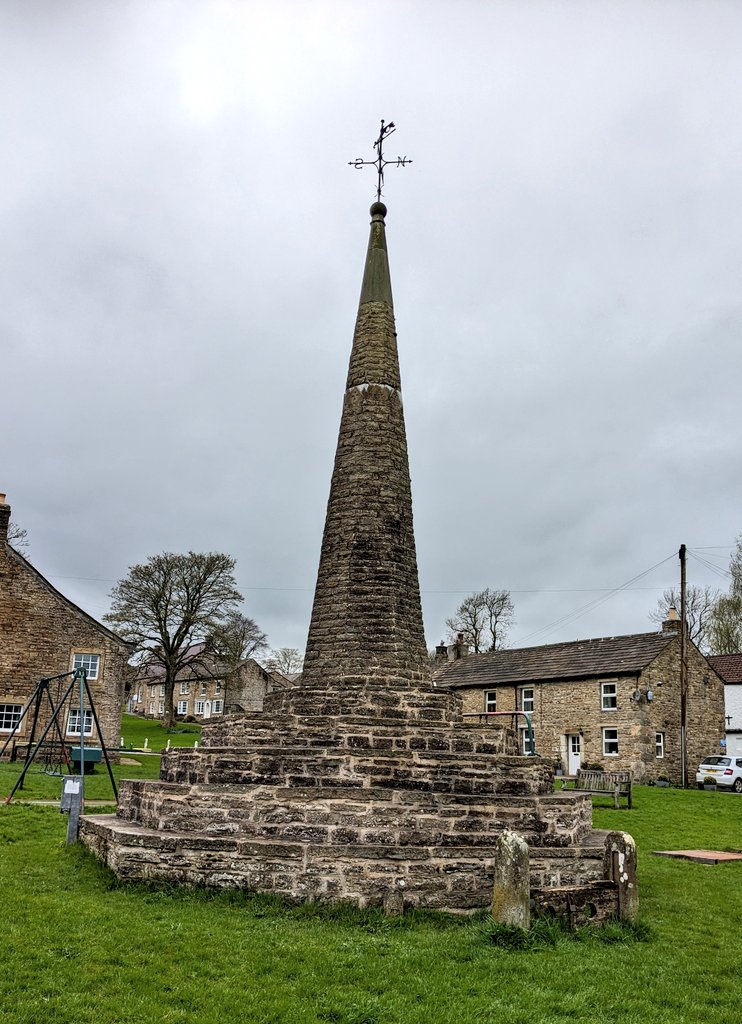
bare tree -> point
(285, 660)
(172, 606)
(484, 618)
(699, 611)
(238, 638)
(18, 538)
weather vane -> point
(380, 163)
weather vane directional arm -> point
(380, 163)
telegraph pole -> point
(683, 673)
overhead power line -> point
(579, 612)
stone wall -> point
(41, 632)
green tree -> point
(173, 608)
(725, 631)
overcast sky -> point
(181, 257)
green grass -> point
(37, 785)
(79, 946)
(136, 729)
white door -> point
(207, 709)
(573, 754)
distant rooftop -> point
(728, 666)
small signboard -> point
(72, 797)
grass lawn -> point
(136, 729)
(39, 786)
(80, 947)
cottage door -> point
(574, 759)
(207, 709)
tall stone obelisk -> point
(367, 620)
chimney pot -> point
(4, 519)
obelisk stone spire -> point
(367, 621)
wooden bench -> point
(617, 784)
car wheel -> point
(737, 787)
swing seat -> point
(92, 757)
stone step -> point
(357, 732)
(444, 771)
(451, 878)
(342, 816)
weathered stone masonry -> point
(367, 619)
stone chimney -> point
(458, 649)
(4, 519)
(441, 652)
(672, 622)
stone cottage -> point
(42, 634)
(613, 701)
(205, 688)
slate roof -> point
(728, 666)
(578, 659)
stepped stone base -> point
(308, 802)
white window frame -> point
(151, 707)
(8, 718)
(161, 708)
(608, 697)
(203, 688)
(526, 741)
(90, 662)
(198, 708)
(216, 707)
(217, 686)
(182, 707)
(185, 688)
(659, 745)
(531, 699)
(73, 722)
(162, 689)
(612, 740)
(490, 700)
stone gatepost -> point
(619, 865)
(511, 893)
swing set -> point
(50, 696)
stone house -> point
(729, 667)
(205, 689)
(43, 634)
(613, 701)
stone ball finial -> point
(378, 209)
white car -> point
(726, 772)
